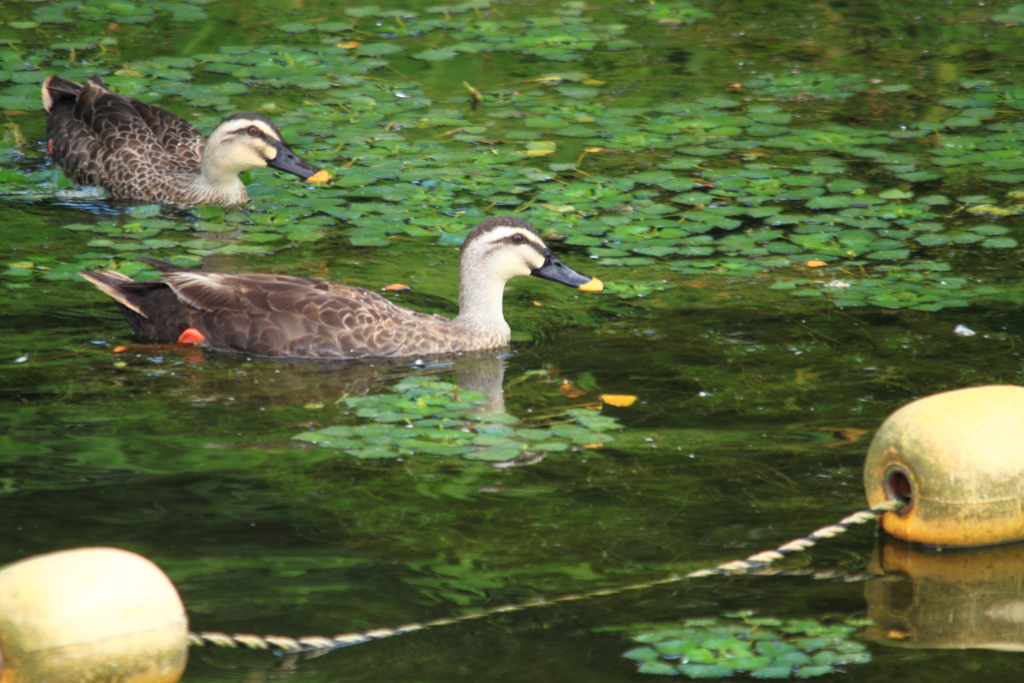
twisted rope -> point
(754, 564)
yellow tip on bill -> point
(594, 285)
(320, 176)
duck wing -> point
(179, 138)
(270, 315)
(102, 138)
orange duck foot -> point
(191, 336)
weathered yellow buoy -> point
(957, 458)
(90, 614)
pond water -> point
(793, 206)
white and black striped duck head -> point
(506, 247)
(496, 251)
(246, 141)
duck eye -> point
(253, 130)
(518, 238)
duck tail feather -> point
(56, 88)
(113, 285)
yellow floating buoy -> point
(957, 458)
(90, 614)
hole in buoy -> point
(898, 487)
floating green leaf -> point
(762, 648)
(422, 404)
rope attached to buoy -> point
(757, 563)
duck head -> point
(246, 141)
(507, 247)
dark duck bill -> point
(556, 271)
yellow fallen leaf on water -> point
(570, 390)
(348, 45)
(539, 152)
(618, 400)
(815, 264)
(396, 287)
(592, 445)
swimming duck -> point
(138, 152)
(279, 315)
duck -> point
(273, 315)
(141, 153)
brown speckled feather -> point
(129, 148)
(275, 315)
(182, 141)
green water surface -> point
(694, 157)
